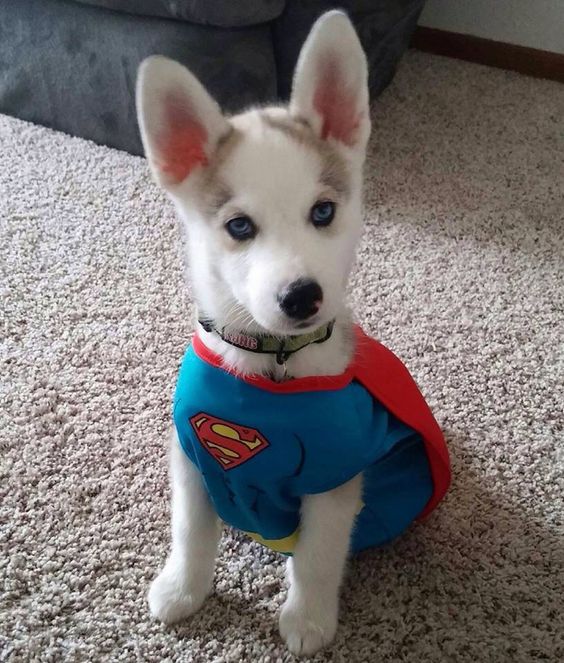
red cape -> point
(389, 381)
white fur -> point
(275, 180)
(157, 77)
(308, 620)
(268, 174)
(187, 577)
(333, 32)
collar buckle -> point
(282, 356)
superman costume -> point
(261, 445)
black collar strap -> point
(265, 344)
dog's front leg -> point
(308, 620)
(186, 579)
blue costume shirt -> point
(260, 451)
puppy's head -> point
(271, 198)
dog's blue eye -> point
(241, 227)
(322, 213)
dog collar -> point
(274, 345)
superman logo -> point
(230, 444)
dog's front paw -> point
(173, 598)
(307, 625)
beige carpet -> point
(460, 271)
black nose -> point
(301, 299)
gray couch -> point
(71, 64)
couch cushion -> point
(220, 13)
(73, 67)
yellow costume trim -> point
(288, 543)
(285, 545)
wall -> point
(533, 23)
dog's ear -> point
(330, 88)
(180, 123)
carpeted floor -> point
(460, 271)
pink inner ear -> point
(336, 104)
(180, 146)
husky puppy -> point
(271, 203)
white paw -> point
(306, 626)
(172, 599)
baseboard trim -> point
(529, 61)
